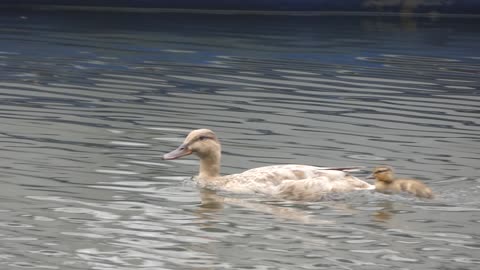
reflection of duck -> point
(294, 182)
(212, 202)
(385, 182)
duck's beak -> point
(371, 176)
(181, 151)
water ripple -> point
(90, 106)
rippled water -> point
(90, 102)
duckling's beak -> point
(371, 176)
(181, 151)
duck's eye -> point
(202, 138)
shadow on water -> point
(90, 101)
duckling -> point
(386, 182)
(292, 182)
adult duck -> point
(292, 182)
(386, 182)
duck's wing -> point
(315, 189)
(276, 174)
(270, 179)
(294, 171)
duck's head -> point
(383, 173)
(202, 142)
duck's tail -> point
(345, 169)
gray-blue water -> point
(89, 102)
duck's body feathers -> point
(411, 186)
(293, 182)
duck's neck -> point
(381, 185)
(386, 178)
(210, 166)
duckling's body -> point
(293, 182)
(386, 182)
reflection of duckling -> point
(294, 182)
(385, 182)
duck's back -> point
(296, 182)
(276, 174)
(414, 187)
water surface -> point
(91, 101)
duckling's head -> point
(383, 173)
(202, 142)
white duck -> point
(292, 182)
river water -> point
(89, 102)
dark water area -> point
(89, 102)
